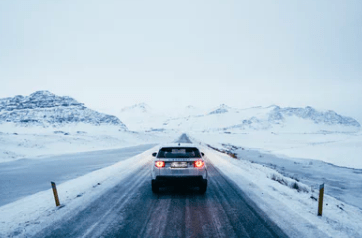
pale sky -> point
(169, 54)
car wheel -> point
(155, 186)
(203, 186)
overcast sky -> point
(169, 54)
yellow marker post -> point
(320, 200)
(57, 203)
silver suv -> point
(182, 163)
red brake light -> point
(160, 164)
(199, 163)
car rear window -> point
(179, 152)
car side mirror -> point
(154, 154)
(202, 153)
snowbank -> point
(294, 210)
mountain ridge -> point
(43, 108)
(143, 107)
(327, 117)
(265, 118)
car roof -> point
(183, 145)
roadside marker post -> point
(320, 200)
(57, 203)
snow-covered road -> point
(28, 176)
(243, 199)
(130, 209)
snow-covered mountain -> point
(221, 109)
(273, 118)
(141, 117)
(43, 124)
(309, 113)
(137, 108)
(46, 109)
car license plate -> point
(179, 165)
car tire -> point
(203, 186)
(155, 186)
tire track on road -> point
(132, 210)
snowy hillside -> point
(43, 123)
(46, 109)
(273, 118)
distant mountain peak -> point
(223, 108)
(142, 104)
(273, 106)
(143, 107)
(44, 93)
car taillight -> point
(199, 163)
(160, 164)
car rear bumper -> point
(165, 180)
(179, 173)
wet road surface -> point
(183, 139)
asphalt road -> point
(183, 139)
(28, 176)
(131, 210)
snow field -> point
(31, 214)
(30, 142)
(295, 212)
(341, 149)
